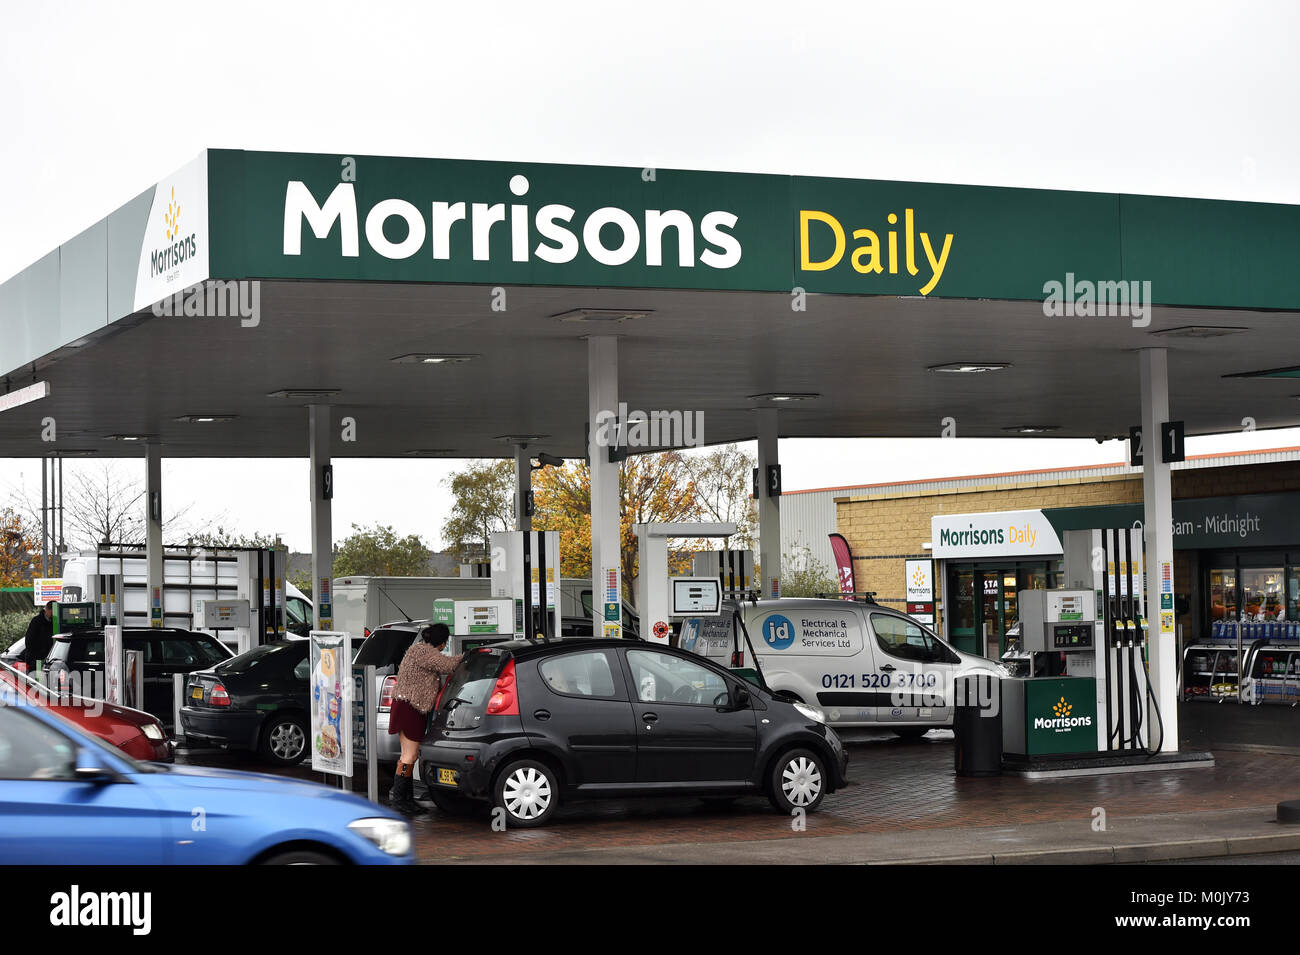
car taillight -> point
(737, 658)
(365, 632)
(386, 694)
(218, 696)
(504, 701)
(20, 666)
(441, 690)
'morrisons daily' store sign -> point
(357, 218)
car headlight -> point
(154, 732)
(392, 836)
(811, 712)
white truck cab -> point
(864, 664)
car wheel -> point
(798, 781)
(528, 792)
(284, 741)
(301, 857)
(910, 732)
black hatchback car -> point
(255, 701)
(524, 725)
(166, 652)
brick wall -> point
(885, 530)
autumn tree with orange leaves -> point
(20, 551)
(653, 488)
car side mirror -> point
(92, 772)
(740, 698)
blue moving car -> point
(66, 798)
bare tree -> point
(723, 488)
(100, 503)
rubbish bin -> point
(977, 724)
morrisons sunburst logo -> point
(918, 577)
(178, 249)
(172, 217)
(1061, 721)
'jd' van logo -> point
(778, 632)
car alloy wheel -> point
(801, 781)
(285, 743)
(528, 793)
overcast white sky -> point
(102, 100)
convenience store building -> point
(1236, 540)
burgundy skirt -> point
(406, 719)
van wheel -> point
(797, 781)
(528, 792)
(910, 732)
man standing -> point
(40, 638)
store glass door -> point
(992, 630)
(962, 622)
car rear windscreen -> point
(276, 655)
(385, 647)
(467, 691)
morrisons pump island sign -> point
(1060, 716)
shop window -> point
(1261, 592)
(963, 611)
(1293, 594)
(1223, 594)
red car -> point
(134, 732)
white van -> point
(864, 664)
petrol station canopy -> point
(446, 304)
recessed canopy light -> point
(603, 315)
(784, 396)
(425, 358)
(969, 367)
(306, 393)
(126, 437)
(519, 438)
(206, 418)
(431, 452)
(1033, 428)
(1201, 331)
(78, 453)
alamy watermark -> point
(1084, 298)
(83, 689)
(653, 429)
(216, 298)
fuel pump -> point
(526, 569)
(1109, 562)
(70, 617)
(475, 623)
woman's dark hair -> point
(435, 634)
